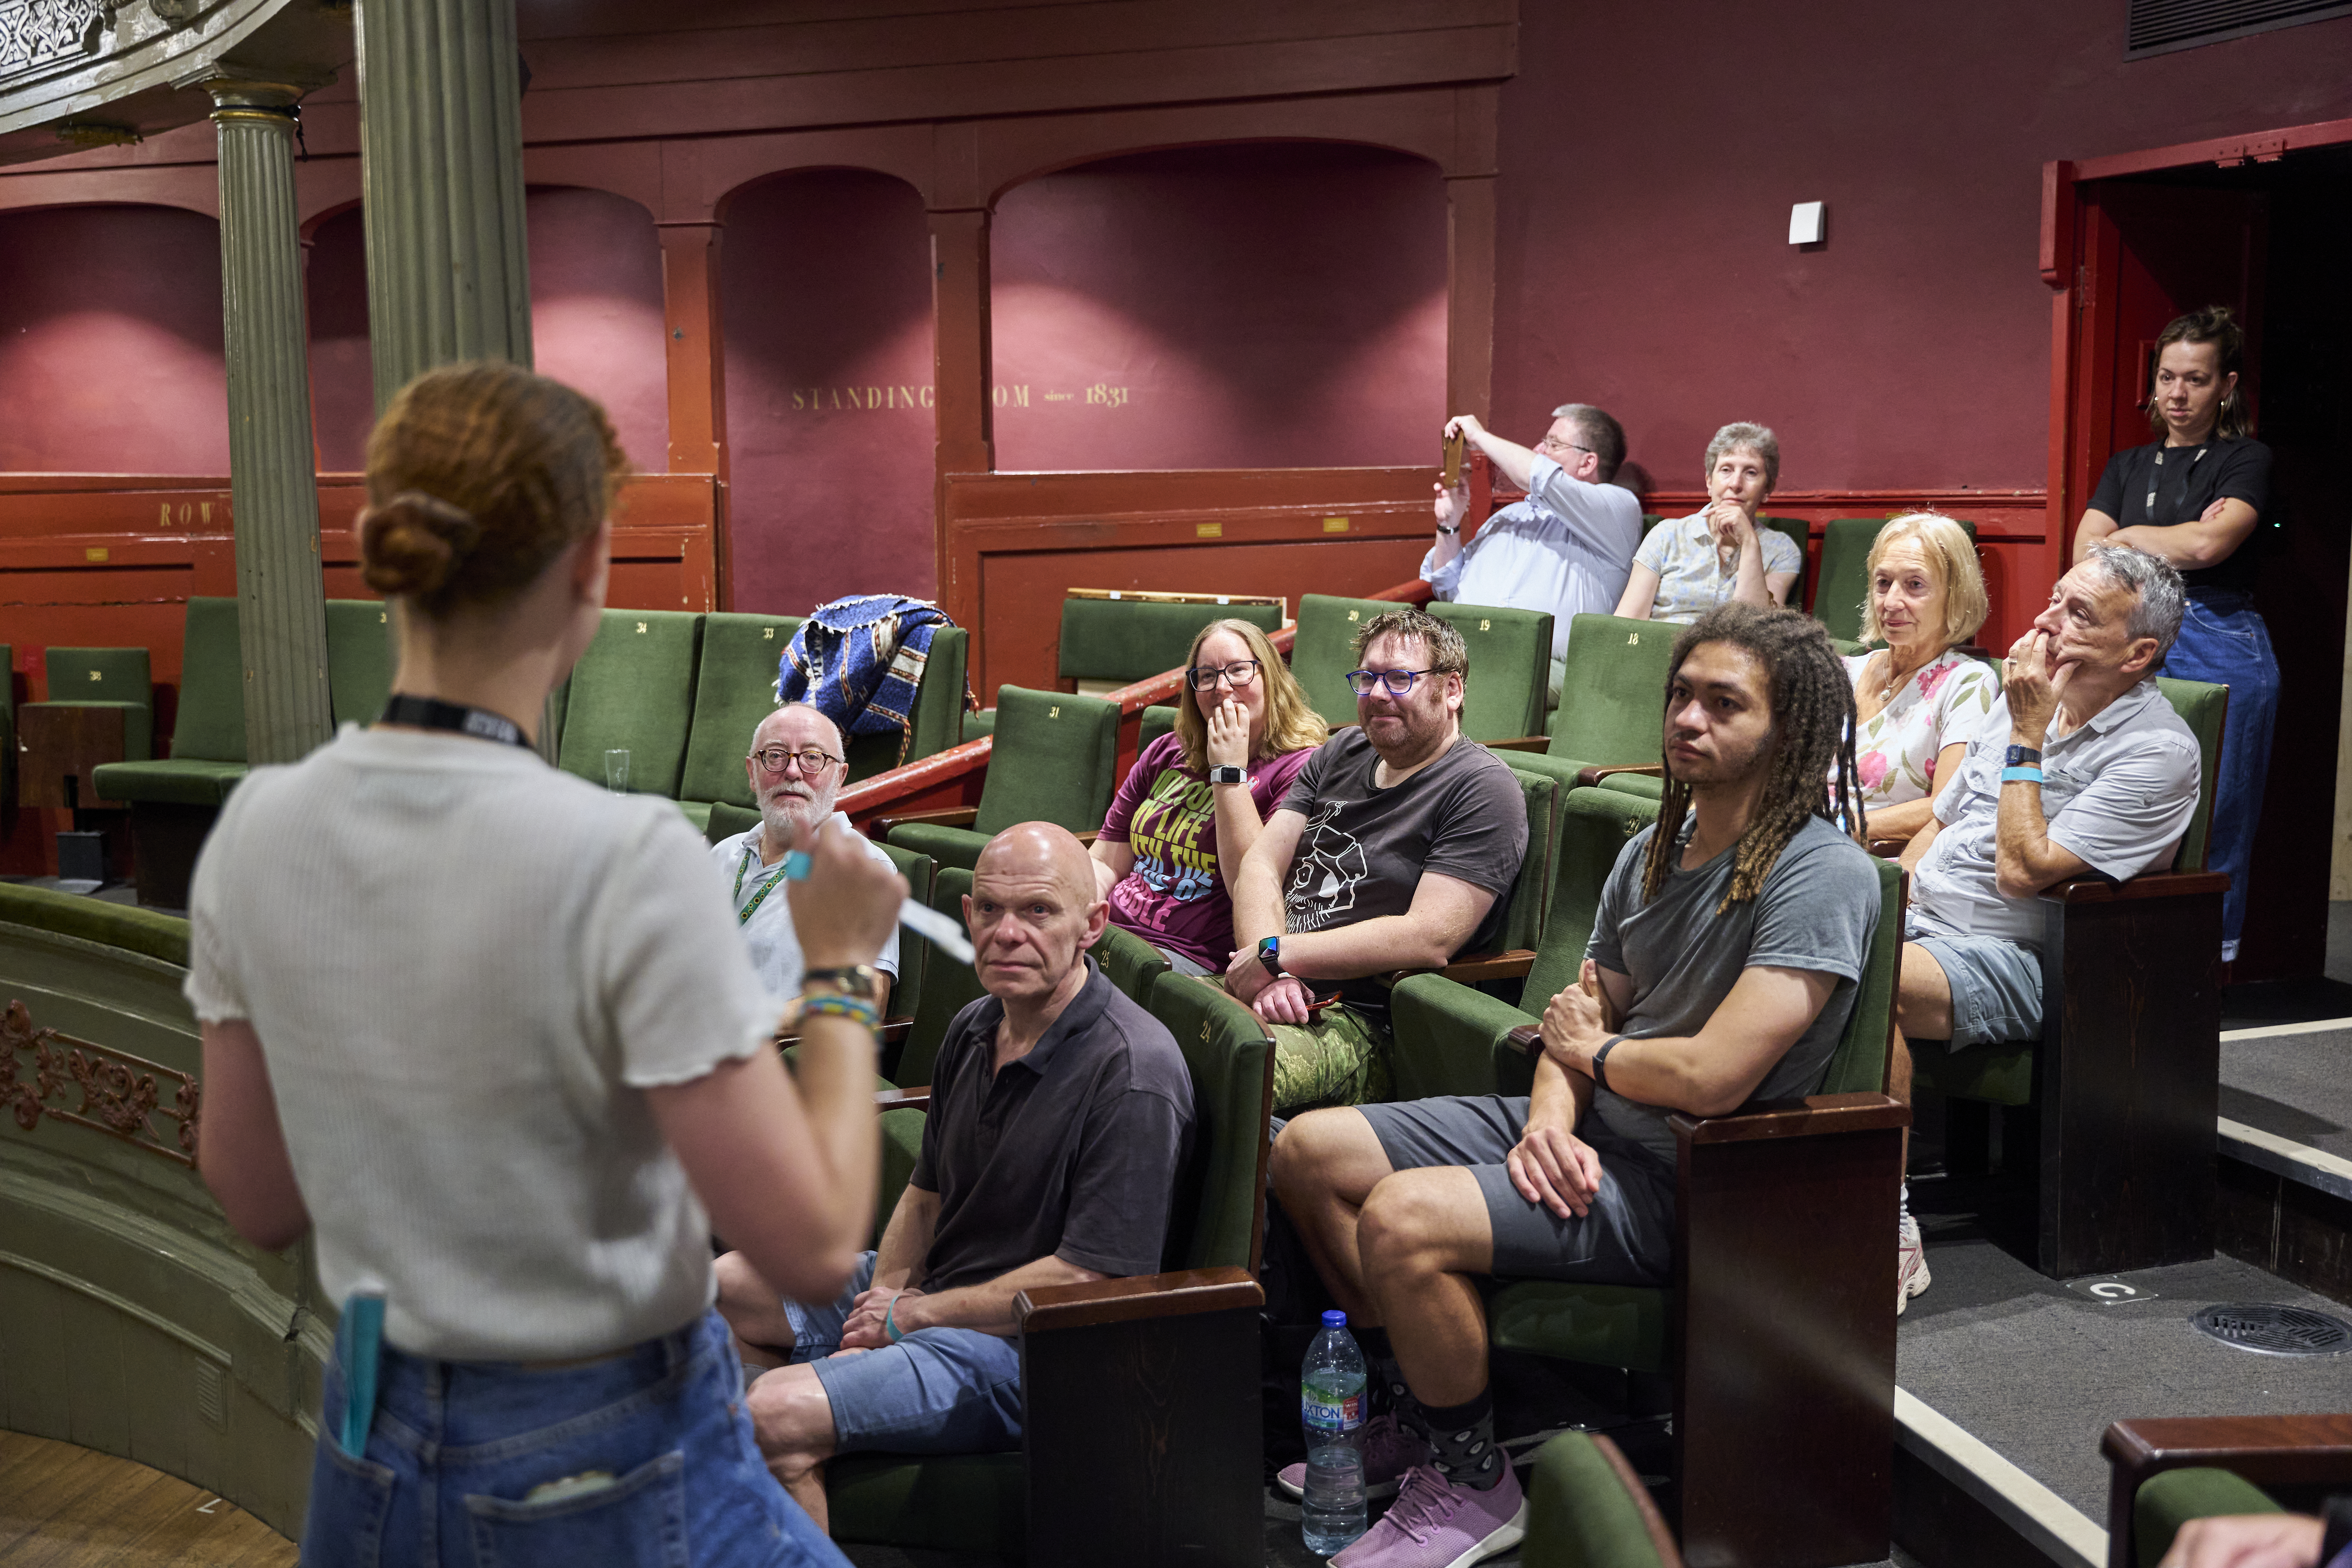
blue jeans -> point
(2223, 640)
(644, 1457)
(937, 1391)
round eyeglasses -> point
(811, 759)
(1398, 682)
(1241, 672)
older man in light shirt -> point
(797, 765)
(1566, 550)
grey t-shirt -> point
(1364, 848)
(1816, 910)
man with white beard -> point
(797, 765)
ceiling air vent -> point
(2159, 26)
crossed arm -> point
(1711, 1073)
(898, 1297)
(2213, 539)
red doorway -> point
(2258, 223)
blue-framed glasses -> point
(1398, 682)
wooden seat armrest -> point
(893, 1032)
(1889, 848)
(1090, 835)
(1528, 1038)
(2263, 1451)
(1519, 744)
(1588, 777)
(1511, 965)
(946, 816)
(1816, 1115)
(1173, 1295)
(916, 1098)
(2147, 885)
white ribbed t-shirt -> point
(463, 967)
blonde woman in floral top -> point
(1919, 700)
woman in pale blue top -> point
(1687, 567)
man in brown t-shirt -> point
(1060, 1112)
(1395, 849)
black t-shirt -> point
(1070, 1152)
(1364, 848)
(2157, 486)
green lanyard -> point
(743, 916)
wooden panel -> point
(1015, 542)
(2128, 1072)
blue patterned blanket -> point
(860, 662)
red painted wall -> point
(1259, 305)
(595, 322)
(1649, 158)
(824, 281)
(110, 358)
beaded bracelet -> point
(855, 1009)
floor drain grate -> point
(2274, 1329)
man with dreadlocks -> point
(1728, 944)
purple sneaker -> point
(1436, 1524)
(1390, 1450)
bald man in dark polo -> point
(1060, 1112)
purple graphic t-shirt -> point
(1166, 813)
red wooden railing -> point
(956, 776)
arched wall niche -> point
(111, 347)
(595, 309)
(1273, 304)
(826, 302)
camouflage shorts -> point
(1341, 1058)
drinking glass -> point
(616, 769)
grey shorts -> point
(1996, 987)
(1626, 1238)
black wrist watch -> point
(862, 981)
(1269, 956)
(1218, 775)
(2022, 757)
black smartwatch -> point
(1218, 775)
(1269, 956)
(2021, 757)
(1601, 1058)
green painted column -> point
(442, 194)
(273, 478)
(441, 184)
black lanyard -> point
(432, 714)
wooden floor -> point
(64, 1507)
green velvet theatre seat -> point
(208, 737)
(948, 985)
(114, 678)
(1325, 651)
(1782, 1219)
(1613, 698)
(1052, 761)
(1510, 669)
(2167, 1501)
(1127, 639)
(634, 690)
(2164, 1471)
(1587, 1508)
(360, 656)
(1841, 585)
(1115, 1448)
(734, 689)
(1155, 722)
(1133, 964)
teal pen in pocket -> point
(359, 1345)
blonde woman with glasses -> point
(1197, 798)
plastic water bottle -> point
(1331, 1407)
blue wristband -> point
(890, 1321)
(2020, 775)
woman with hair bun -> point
(487, 1033)
(2194, 497)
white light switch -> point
(1805, 222)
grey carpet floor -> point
(2297, 1086)
(2039, 1372)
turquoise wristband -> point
(890, 1321)
(2020, 775)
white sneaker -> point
(1911, 1275)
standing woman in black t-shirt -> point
(2195, 498)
